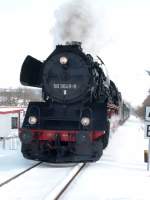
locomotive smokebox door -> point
(83, 143)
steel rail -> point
(62, 187)
(21, 173)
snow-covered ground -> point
(36, 184)
(12, 163)
(120, 174)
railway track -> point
(60, 177)
(62, 187)
(19, 174)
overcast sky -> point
(26, 27)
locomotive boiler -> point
(71, 124)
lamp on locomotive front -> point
(63, 60)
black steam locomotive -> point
(72, 123)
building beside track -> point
(10, 121)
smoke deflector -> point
(31, 72)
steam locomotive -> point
(71, 124)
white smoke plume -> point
(79, 20)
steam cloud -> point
(79, 20)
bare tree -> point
(19, 96)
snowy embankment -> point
(120, 174)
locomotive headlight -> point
(32, 120)
(85, 121)
(63, 60)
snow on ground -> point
(120, 174)
(36, 184)
(12, 162)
